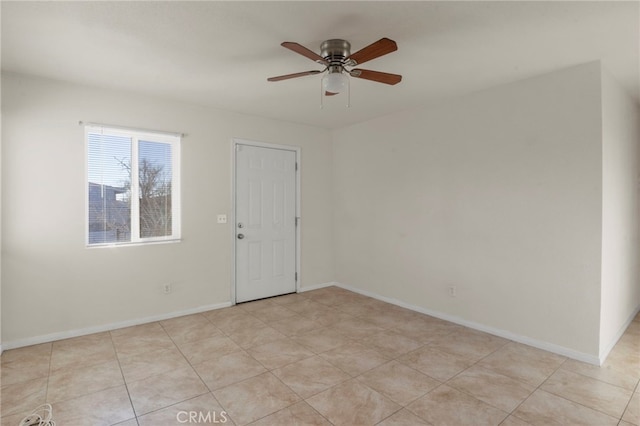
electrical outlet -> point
(167, 288)
(452, 291)
(222, 218)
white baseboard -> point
(605, 353)
(107, 327)
(317, 286)
(550, 347)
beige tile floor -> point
(322, 357)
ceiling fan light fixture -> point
(335, 82)
(336, 56)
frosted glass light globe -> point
(335, 82)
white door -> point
(265, 222)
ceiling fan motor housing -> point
(335, 51)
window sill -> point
(136, 244)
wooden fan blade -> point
(298, 74)
(380, 77)
(374, 50)
(329, 94)
(301, 50)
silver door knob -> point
(240, 236)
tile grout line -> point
(495, 372)
(600, 380)
(192, 367)
(124, 380)
(588, 377)
(539, 387)
(315, 354)
(476, 364)
(535, 390)
(396, 359)
(402, 407)
(299, 396)
(169, 406)
(46, 393)
(565, 398)
(211, 391)
(440, 383)
(625, 410)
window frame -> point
(172, 139)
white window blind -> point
(133, 186)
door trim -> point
(234, 144)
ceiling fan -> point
(336, 56)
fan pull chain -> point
(349, 93)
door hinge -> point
(296, 277)
(296, 166)
(297, 218)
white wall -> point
(620, 212)
(51, 283)
(1, 348)
(497, 193)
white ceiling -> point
(220, 54)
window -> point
(133, 186)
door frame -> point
(234, 145)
